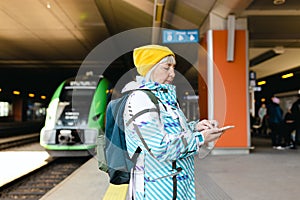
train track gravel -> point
(35, 184)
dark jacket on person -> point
(275, 113)
(296, 112)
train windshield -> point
(74, 106)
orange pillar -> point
(230, 91)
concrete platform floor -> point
(264, 174)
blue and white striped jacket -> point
(164, 170)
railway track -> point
(37, 183)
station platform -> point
(20, 161)
(264, 174)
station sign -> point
(252, 78)
(180, 36)
(257, 89)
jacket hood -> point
(133, 85)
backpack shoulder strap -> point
(154, 99)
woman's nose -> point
(172, 72)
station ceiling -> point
(43, 42)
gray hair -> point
(167, 59)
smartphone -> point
(226, 128)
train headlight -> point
(48, 136)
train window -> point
(75, 106)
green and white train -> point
(76, 116)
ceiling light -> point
(279, 49)
(48, 5)
(263, 57)
(287, 75)
(16, 92)
(261, 82)
(159, 12)
(278, 2)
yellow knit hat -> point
(146, 57)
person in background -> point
(165, 166)
(296, 114)
(275, 118)
(289, 127)
(262, 113)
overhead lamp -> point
(261, 82)
(287, 75)
(15, 92)
(159, 12)
(43, 97)
(265, 56)
(278, 2)
(48, 5)
(279, 49)
(31, 95)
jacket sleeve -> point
(148, 131)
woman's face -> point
(164, 73)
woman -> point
(262, 113)
(165, 166)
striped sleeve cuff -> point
(199, 139)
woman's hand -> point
(209, 130)
(206, 124)
(212, 134)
